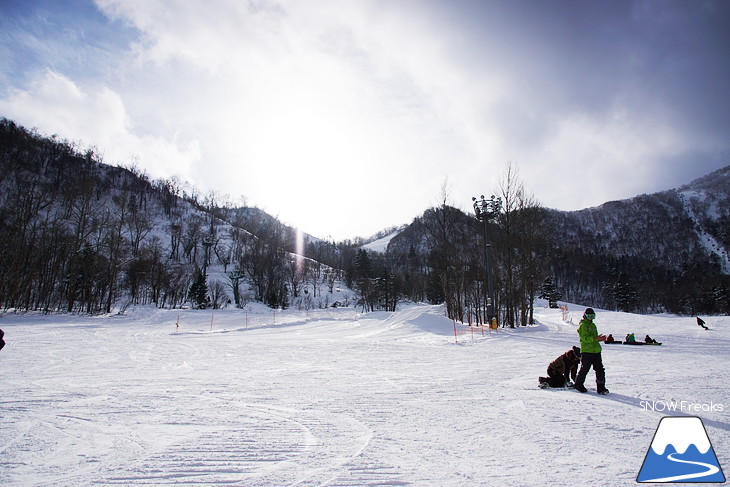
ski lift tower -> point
(485, 211)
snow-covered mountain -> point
(707, 203)
(674, 243)
(672, 227)
(664, 251)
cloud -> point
(297, 103)
(56, 105)
(382, 103)
(214, 36)
(346, 117)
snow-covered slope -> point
(381, 245)
(707, 203)
(338, 398)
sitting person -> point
(610, 339)
(648, 339)
(562, 370)
(630, 338)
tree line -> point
(641, 255)
(441, 258)
(77, 235)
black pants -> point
(588, 360)
(555, 379)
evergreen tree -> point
(550, 292)
(363, 265)
(198, 293)
(434, 288)
(624, 294)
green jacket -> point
(588, 332)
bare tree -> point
(218, 295)
(522, 235)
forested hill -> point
(667, 250)
(79, 235)
(670, 227)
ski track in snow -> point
(338, 398)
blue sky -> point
(343, 118)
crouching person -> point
(562, 370)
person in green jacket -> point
(590, 351)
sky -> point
(343, 118)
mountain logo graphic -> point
(681, 452)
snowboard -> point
(548, 388)
(543, 384)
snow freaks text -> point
(681, 407)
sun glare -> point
(299, 252)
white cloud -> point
(302, 104)
(54, 104)
(344, 118)
(588, 160)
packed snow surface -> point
(339, 398)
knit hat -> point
(576, 351)
(589, 311)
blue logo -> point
(681, 452)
